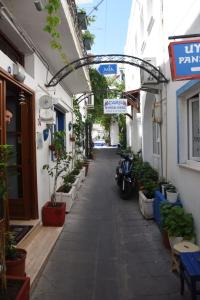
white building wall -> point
(43, 155)
(170, 18)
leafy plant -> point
(170, 188)
(177, 222)
(6, 153)
(61, 164)
(149, 189)
(69, 178)
(87, 35)
(53, 20)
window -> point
(193, 129)
(59, 126)
(60, 120)
(156, 138)
(188, 125)
(10, 50)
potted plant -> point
(66, 192)
(53, 212)
(146, 198)
(82, 19)
(20, 285)
(88, 39)
(171, 193)
(178, 223)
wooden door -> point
(20, 133)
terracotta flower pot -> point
(16, 266)
(86, 165)
(166, 239)
(53, 215)
(18, 288)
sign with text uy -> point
(185, 59)
(115, 106)
(108, 69)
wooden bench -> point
(190, 272)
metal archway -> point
(104, 91)
(107, 58)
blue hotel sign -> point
(108, 69)
(185, 59)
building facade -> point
(170, 136)
(27, 63)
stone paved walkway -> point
(107, 250)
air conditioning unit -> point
(48, 116)
(46, 102)
(90, 102)
(145, 77)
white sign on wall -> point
(115, 106)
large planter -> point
(77, 183)
(18, 288)
(67, 198)
(146, 206)
(86, 165)
(82, 20)
(53, 215)
(16, 266)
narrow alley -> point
(107, 250)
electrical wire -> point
(95, 7)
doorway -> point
(19, 131)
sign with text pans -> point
(185, 59)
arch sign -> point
(185, 59)
(108, 59)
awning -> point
(133, 98)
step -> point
(38, 243)
(39, 249)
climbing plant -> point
(53, 20)
(78, 126)
(99, 82)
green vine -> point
(53, 20)
(78, 126)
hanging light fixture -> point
(22, 98)
(38, 5)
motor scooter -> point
(124, 176)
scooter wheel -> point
(126, 193)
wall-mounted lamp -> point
(18, 72)
(70, 126)
(38, 5)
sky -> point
(110, 26)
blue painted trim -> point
(177, 129)
(187, 86)
(190, 84)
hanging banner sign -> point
(185, 59)
(115, 106)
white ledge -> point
(190, 167)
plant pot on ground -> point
(171, 193)
(18, 288)
(12, 260)
(53, 212)
(15, 257)
(66, 193)
(178, 223)
(146, 199)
